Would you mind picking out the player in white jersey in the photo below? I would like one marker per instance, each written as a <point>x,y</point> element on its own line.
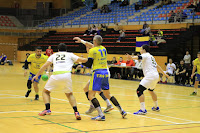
<point>86,88</point>
<point>62,66</point>
<point>150,79</point>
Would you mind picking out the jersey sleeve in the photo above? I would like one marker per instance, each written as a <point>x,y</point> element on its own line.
<point>91,54</point>
<point>74,57</point>
<point>29,59</point>
<point>50,59</point>
<point>195,62</point>
<point>144,56</point>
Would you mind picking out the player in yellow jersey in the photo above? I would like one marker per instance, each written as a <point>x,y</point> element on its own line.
<point>196,67</point>
<point>36,61</point>
<point>100,77</point>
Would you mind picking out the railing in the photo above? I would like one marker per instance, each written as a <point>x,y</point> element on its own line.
<point>30,34</point>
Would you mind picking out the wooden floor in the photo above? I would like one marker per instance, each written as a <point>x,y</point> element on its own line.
<point>180,113</point>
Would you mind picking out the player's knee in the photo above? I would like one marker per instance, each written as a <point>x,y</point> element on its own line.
<point>69,94</point>
<point>46,91</point>
<point>29,83</point>
<point>140,90</point>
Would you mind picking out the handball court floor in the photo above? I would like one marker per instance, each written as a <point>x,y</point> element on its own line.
<point>180,112</point>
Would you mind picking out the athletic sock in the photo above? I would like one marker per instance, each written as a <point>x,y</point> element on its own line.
<point>142,106</point>
<point>115,102</point>
<point>29,89</point>
<point>47,106</point>
<point>36,94</point>
<point>156,103</point>
<point>105,99</point>
<point>96,104</point>
<point>75,109</point>
<point>195,90</point>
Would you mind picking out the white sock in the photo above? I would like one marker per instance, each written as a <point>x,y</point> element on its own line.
<point>120,109</point>
<point>195,90</point>
<point>91,104</point>
<point>107,102</point>
<point>99,111</point>
<point>160,79</point>
<point>156,103</point>
<point>142,106</point>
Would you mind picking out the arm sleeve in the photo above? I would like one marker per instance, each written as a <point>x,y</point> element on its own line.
<point>74,57</point>
<point>50,59</point>
<point>26,64</point>
<point>88,63</point>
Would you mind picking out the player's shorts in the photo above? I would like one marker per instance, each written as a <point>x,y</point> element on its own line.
<point>150,82</point>
<point>197,77</point>
<point>63,81</point>
<point>31,77</point>
<point>99,80</point>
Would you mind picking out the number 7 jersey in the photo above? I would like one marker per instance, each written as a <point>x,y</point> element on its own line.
<point>63,61</point>
<point>99,56</point>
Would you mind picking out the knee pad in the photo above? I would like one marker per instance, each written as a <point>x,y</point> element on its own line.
<point>150,89</point>
<point>29,83</point>
<point>140,90</point>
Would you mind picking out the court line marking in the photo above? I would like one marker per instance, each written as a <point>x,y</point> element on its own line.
<point>118,111</point>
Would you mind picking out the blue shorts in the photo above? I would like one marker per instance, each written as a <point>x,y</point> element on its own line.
<point>31,77</point>
<point>99,80</point>
<point>197,77</point>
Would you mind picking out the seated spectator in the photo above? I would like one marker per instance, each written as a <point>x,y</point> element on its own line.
<point>118,70</point>
<point>170,69</point>
<point>116,28</point>
<point>113,70</point>
<point>144,27</point>
<point>180,75</point>
<point>181,16</point>
<point>193,5</point>
<point>105,9</point>
<point>172,16</point>
<point>147,31</point>
<point>187,59</point>
<point>160,33</point>
<point>124,3</point>
<point>103,29</point>
<point>94,30</point>
<point>137,71</point>
<point>138,6</point>
<point>159,37</point>
<point>152,39</point>
<point>113,61</point>
<point>120,61</point>
<point>122,36</point>
<point>87,31</point>
<point>129,74</point>
<point>3,59</point>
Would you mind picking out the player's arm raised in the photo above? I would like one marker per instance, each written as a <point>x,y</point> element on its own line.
<point>161,70</point>
<point>87,44</point>
<point>42,69</point>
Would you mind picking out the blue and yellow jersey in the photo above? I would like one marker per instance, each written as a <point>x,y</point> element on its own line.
<point>197,63</point>
<point>99,56</point>
<point>36,63</point>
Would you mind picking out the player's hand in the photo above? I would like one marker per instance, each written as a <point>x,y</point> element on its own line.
<point>77,39</point>
<point>166,75</point>
<point>192,76</point>
<point>25,73</point>
<point>34,78</point>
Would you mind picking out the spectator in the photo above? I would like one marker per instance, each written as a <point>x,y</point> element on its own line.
<point>147,31</point>
<point>181,16</point>
<point>3,59</point>
<point>49,51</point>
<point>172,16</point>
<point>180,75</point>
<point>170,69</point>
<point>122,36</point>
<point>152,39</point>
<point>120,61</point>
<point>124,3</point>
<point>87,31</point>
<point>105,9</point>
<point>116,28</point>
<point>137,71</point>
<point>160,33</point>
<point>193,5</point>
<point>159,37</point>
<point>129,74</point>
<point>187,59</point>
<point>138,6</point>
<point>93,30</point>
<point>26,62</point>
<point>103,29</point>
<point>118,70</point>
<point>113,61</point>
<point>113,69</point>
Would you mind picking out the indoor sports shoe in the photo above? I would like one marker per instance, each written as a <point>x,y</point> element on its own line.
<point>156,109</point>
<point>77,115</point>
<point>108,109</point>
<point>140,112</point>
<point>99,118</point>
<point>36,97</point>
<point>193,94</point>
<point>45,112</point>
<point>123,114</point>
<point>90,110</point>
<point>27,93</point>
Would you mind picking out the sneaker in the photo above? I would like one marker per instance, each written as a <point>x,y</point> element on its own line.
<point>90,110</point>
<point>165,82</point>
<point>159,82</point>
<point>123,114</point>
<point>140,112</point>
<point>156,109</point>
<point>193,94</point>
<point>27,93</point>
<point>45,112</point>
<point>108,109</point>
<point>99,118</point>
<point>36,97</point>
<point>77,115</point>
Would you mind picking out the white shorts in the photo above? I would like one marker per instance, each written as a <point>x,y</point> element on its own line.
<point>150,82</point>
<point>63,81</point>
